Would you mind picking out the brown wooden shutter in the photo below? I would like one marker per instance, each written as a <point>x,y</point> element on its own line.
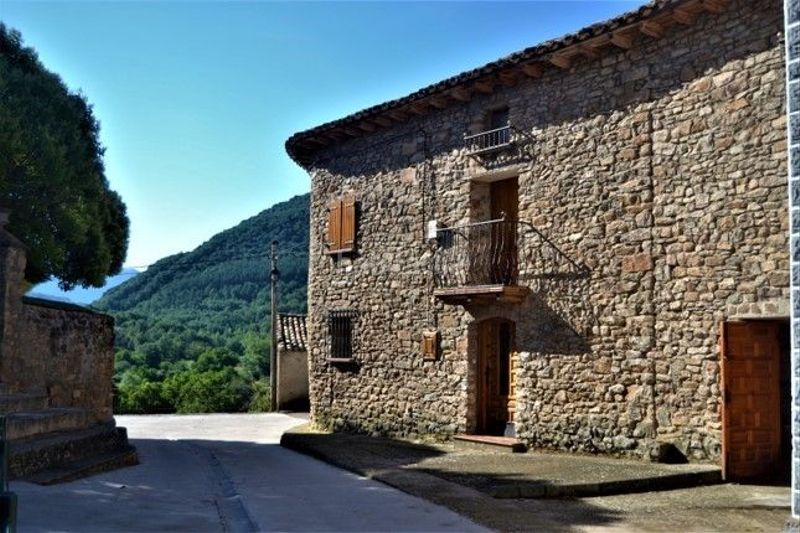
<point>430,345</point>
<point>335,226</point>
<point>348,233</point>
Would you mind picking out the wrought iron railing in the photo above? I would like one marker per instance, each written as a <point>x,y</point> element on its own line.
<point>488,141</point>
<point>497,252</point>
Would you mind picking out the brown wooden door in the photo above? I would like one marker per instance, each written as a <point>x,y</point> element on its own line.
<point>751,441</point>
<point>495,379</point>
<point>504,197</point>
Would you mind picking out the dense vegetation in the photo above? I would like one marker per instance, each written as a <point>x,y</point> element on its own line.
<point>193,329</point>
<point>52,175</point>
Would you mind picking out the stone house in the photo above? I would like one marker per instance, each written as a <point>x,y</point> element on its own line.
<point>292,393</point>
<point>582,246</point>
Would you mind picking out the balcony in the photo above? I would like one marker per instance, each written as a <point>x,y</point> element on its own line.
<point>495,261</point>
<point>490,141</point>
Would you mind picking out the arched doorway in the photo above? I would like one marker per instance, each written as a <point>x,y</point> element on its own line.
<point>496,377</point>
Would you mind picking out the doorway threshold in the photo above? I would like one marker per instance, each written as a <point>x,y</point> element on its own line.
<point>489,443</point>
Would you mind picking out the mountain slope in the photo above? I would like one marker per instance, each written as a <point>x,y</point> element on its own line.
<point>49,290</point>
<point>207,311</point>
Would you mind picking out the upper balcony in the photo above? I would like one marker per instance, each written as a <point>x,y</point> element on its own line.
<point>495,261</point>
<point>489,141</point>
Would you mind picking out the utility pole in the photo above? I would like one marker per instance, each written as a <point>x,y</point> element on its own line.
<point>273,356</point>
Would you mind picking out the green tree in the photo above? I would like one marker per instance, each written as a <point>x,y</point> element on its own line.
<point>52,175</point>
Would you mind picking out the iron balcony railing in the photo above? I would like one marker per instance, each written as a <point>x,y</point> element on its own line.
<point>488,141</point>
<point>497,252</point>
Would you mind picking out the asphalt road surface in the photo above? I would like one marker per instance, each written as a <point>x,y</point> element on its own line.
<point>225,473</point>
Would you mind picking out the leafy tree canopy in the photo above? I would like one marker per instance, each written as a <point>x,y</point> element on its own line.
<point>52,175</point>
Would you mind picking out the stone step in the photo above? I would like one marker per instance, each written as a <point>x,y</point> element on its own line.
<point>488,443</point>
<point>29,423</point>
<point>34,454</point>
<point>22,401</point>
<point>89,466</point>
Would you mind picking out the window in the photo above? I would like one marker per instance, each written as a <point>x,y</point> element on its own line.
<point>497,118</point>
<point>342,225</point>
<point>340,331</point>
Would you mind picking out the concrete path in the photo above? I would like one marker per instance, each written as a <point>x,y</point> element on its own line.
<point>225,473</point>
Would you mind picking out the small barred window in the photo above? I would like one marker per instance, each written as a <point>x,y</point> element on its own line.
<point>340,330</point>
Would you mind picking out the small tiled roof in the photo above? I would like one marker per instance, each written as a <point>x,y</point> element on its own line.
<point>292,332</point>
<point>303,145</point>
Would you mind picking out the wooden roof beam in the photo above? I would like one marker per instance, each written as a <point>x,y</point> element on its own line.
<point>683,16</point>
<point>319,140</point>
<point>418,108</point>
<point>652,29</point>
<point>381,121</point>
<point>351,132</point>
<point>335,135</point>
<point>461,94</point>
<point>437,101</point>
<point>397,115</point>
<point>598,42</point>
<point>715,6</point>
<point>532,70</point>
<point>588,52</point>
<point>622,39</point>
<point>561,60</point>
<point>508,78</point>
<point>485,86</point>
<point>366,126</point>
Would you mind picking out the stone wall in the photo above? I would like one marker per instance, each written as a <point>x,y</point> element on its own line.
<point>59,349</point>
<point>66,351</point>
<point>660,170</point>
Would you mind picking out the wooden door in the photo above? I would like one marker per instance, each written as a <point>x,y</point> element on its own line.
<point>495,376</point>
<point>504,196</point>
<point>751,440</point>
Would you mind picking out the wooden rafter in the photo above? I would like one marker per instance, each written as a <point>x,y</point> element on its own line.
<point>652,29</point>
<point>532,70</point>
<point>485,86</point>
<point>366,126</point>
<point>683,16</point>
<point>589,52</point>
<point>351,132</point>
<point>438,101</point>
<point>461,94</point>
<point>561,60</point>
<point>508,78</point>
<point>622,39</point>
<point>381,121</point>
<point>598,42</point>
<point>418,108</point>
<point>715,6</point>
<point>397,115</point>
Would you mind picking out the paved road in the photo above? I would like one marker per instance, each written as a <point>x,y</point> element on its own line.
<point>225,473</point>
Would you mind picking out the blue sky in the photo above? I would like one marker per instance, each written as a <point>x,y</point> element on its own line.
<point>196,99</point>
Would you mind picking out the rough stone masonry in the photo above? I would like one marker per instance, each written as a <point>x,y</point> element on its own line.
<point>659,168</point>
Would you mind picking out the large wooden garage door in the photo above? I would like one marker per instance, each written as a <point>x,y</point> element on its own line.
<point>751,440</point>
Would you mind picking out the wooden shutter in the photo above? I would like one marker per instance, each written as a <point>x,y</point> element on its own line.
<point>430,345</point>
<point>335,226</point>
<point>348,233</point>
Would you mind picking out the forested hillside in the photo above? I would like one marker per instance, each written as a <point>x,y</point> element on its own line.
<point>193,329</point>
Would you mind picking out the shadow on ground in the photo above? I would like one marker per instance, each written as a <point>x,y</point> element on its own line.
<point>402,464</point>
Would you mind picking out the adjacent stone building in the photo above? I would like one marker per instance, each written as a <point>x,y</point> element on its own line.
<point>583,246</point>
<point>292,393</point>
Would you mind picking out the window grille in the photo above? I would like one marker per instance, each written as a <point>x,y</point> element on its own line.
<point>340,330</point>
